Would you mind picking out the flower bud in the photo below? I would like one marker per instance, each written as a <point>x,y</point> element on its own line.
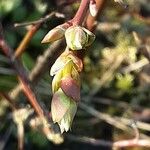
<point>54,34</point>
<point>63,110</point>
<point>78,37</point>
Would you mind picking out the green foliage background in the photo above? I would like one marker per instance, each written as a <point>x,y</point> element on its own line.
<point>105,67</point>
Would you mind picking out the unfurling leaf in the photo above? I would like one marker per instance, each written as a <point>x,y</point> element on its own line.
<point>56,81</point>
<point>58,65</point>
<point>70,88</point>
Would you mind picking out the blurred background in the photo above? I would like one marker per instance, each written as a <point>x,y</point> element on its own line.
<point>115,91</point>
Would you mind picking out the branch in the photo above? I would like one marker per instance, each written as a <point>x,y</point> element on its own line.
<point>5,137</point>
<point>20,130</point>
<point>132,143</point>
<point>22,76</point>
<point>22,46</point>
<point>44,60</point>
<point>118,122</point>
<point>50,134</point>
<point>81,13</point>
<point>118,144</point>
<point>33,29</point>
<point>41,20</point>
<point>121,104</point>
<point>135,66</point>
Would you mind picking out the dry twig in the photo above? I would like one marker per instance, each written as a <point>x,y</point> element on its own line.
<point>117,144</point>
<point>118,122</point>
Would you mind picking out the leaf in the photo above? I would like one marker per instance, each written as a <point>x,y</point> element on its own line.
<point>60,105</point>
<point>70,88</point>
<point>58,65</point>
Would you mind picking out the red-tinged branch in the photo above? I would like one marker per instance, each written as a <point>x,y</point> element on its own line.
<point>50,134</point>
<point>81,13</point>
<point>31,96</point>
<point>21,48</point>
<point>31,32</point>
<point>117,144</point>
<point>21,75</point>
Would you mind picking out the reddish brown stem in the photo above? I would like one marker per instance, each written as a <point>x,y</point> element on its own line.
<point>34,28</point>
<point>118,144</point>
<point>21,48</point>
<point>28,92</point>
<point>22,76</point>
<point>81,13</point>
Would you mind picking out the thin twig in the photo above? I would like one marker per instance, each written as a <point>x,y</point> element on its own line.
<point>121,104</point>
<point>9,100</point>
<point>33,29</point>
<point>118,122</point>
<point>38,70</point>
<point>135,66</point>
<point>132,143</point>
<point>5,138</point>
<point>41,20</point>
<point>20,129</point>
<point>27,90</point>
<point>103,116</point>
<point>22,46</point>
<point>22,76</point>
<point>6,71</point>
<point>117,144</point>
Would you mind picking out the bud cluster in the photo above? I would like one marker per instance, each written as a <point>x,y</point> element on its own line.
<point>77,37</point>
<point>66,89</point>
<point>66,69</point>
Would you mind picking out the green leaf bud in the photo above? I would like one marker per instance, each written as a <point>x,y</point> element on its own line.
<point>78,37</point>
<point>54,34</point>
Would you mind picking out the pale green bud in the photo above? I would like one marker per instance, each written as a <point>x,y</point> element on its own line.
<point>78,37</point>
<point>54,34</point>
